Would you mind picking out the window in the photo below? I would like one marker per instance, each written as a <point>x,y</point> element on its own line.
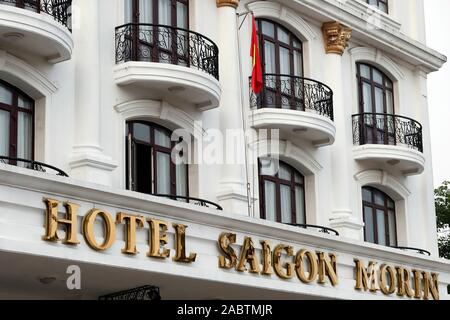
<point>154,38</point>
<point>282,58</point>
<point>150,168</point>
<point>376,104</point>
<point>380,4</point>
<point>282,192</point>
<point>379,217</point>
<point>16,123</point>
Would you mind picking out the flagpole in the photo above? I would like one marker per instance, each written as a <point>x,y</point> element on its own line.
<point>244,127</point>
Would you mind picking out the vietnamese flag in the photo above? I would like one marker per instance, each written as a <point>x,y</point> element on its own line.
<point>257,79</point>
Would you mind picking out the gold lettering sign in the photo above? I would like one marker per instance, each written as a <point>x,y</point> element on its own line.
<point>283,261</point>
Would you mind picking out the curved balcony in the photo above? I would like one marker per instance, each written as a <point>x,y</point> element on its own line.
<point>175,63</point>
<point>195,201</point>
<point>320,229</point>
<point>39,27</point>
<point>387,139</point>
<point>32,165</point>
<point>298,107</point>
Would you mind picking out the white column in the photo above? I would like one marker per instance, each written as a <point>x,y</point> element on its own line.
<point>88,161</point>
<point>232,193</point>
<point>342,217</point>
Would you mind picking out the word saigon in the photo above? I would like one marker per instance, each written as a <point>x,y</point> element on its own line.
<point>309,266</point>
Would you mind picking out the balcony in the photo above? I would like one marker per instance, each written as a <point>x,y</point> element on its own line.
<point>299,107</point>
<point>39,27</point>
<point>175,63</point>
<point>387,139</point>
<point>32,165</point>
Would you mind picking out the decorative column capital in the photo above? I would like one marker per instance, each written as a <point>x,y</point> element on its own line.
<point>336,37</point>
<point>227,3</point>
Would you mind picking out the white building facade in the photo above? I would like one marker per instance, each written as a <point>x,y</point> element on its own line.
<point>97,97</point>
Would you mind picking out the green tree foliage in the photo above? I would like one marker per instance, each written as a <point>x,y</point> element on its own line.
<point>442,201</point>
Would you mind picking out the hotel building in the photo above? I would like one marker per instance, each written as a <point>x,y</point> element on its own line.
<point>97,97</point>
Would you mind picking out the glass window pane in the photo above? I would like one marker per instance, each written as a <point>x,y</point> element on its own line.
<point>162,138</point>
<point>269,200</point>
<point>24,103</point>
<point>298,178</point>
<point>285,172</point>
<point>165,12</point>
<point>268,29</point>
<point>25,136</point>
<point>382,7</point>
<point>299,205</point>
<point>145,11</point>
<point>391,204</point>
<point>367,97</point>
<point>368,221</point>
<point>381,227</point>
<point>141,132</point>
<point>364,71</point>
<point>5,95</point>
<point>297,44</point>
<point>285,62</point>
<point>268,167</point>
<point>379,198</point>
<point>162,173</point>
<point>269,57</point>
<point>392,229</point>
<point>283,36</point>
<point>128,9</point>
<point>379,100</point>
<point>4,133</point>
<point>367,195</point>
<point>389,102</point>
<point>182,15</point>
<point>388,83</point>
<point>181,177</point>
<point>298,67</point>
<point>286,210</point>
<point>377,76</point>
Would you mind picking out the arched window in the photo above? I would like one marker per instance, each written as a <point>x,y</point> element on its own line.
<point>376,106</point>
<point>379,217</point>
<point>380,4</point>
<point>150,168</point>
<point>152,30</point>
<point>282,192</point>
<point>282,59</point>
<point>16,123</point>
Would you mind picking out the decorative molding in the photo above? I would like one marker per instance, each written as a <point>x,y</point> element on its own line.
<point>365,54</point>
<point>336,37</point>
<point>25,76</point>
<point>227,3</point>
<point>159,110</point>
<point>285,16</point>
<point>384,181</point>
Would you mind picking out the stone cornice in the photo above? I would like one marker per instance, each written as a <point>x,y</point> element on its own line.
<point>227,3</point>
<point>384,36</point>
<point>335,37</point>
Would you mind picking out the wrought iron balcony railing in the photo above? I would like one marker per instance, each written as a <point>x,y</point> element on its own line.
<point>166,44</point>
<point>320,228</point>
<point>295,93</point>
<point>420,251</point>
<point>33,165</point>
<point>387,129</point>
<point>196,201</point>
<point>60,10</point>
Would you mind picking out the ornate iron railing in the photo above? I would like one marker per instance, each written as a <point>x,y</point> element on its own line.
<point>420,251</point>
<point>321,229</point>
<point>33,165</point>
<point>196,201</point>
<point>166,44</point>
<point>387,129</point>
<point>297,93</point>
<point>60,10</point>
<point>141,293</point>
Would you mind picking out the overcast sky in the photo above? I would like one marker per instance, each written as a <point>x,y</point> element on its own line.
<point>437,17</point>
